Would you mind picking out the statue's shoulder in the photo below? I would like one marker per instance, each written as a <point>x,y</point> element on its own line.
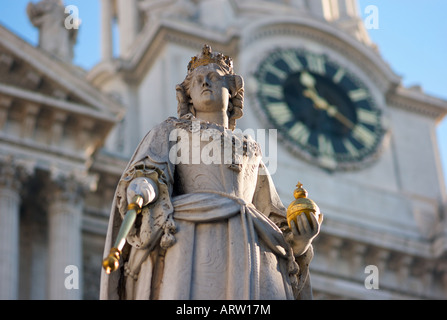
<point>186,122</point>
<point>183,122</point>
<point>155,144</point>
<point>165,125</point>
<point>162,130</point>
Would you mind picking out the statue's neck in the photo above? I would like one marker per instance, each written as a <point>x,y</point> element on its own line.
<point>220,118</point>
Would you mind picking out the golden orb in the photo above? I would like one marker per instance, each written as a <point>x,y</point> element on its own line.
<point>301,205</point>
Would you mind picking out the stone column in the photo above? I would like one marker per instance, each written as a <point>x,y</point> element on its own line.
<point>128,23</point>
<point>106,30</point>
<point>65,243</point>
<point>9,230</point>
<point>317,8</point>
<point>347,9</point>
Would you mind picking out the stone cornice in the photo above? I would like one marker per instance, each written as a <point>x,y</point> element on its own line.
<point>135,63</point>
<point>345,258</point>
<point>379,238</point>
<point>46,125</point>
<point>61,105</point>
<point>417,101</point>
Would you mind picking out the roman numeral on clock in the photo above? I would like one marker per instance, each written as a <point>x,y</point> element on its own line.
<point>358,94</point>
<point>316,63</point>
<point>280,112</point>
<point>300,133</point>
<point>338,76</point>
<point>367,116</point>
<point>292,61</point>
<point>363,135</point>
<point>280,74</point>
<point>352,150</point>
<point>325,145</point>
<point>272,90</point>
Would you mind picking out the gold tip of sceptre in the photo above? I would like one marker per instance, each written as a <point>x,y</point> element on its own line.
<point>112,262</point>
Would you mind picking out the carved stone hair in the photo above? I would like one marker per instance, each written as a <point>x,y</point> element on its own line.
<point>235,105</point>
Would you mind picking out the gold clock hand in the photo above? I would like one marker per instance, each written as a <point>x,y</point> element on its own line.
<point>332,111</point>
<point>319,102</point>
<point>307,80</point>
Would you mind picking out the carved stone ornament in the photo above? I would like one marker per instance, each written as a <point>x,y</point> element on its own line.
<point>54,37</point>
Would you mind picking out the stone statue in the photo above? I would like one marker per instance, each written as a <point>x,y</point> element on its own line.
<point>55,36</point>
<point>212,225</point>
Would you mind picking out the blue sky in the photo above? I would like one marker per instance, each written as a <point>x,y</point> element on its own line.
<point>411,36</point>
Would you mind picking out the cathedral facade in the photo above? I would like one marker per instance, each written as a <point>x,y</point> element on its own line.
<point>336,116</point>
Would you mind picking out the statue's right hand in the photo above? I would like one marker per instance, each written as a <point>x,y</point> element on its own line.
<point>144,187</point>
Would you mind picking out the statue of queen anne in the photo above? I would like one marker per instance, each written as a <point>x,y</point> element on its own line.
<point>206,229</point>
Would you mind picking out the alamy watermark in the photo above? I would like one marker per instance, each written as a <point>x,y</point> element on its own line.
<point>372,279</point>
<point>233,148</point>
<point>72,280</point>
<point>72,21</point>
<point>371,20</point>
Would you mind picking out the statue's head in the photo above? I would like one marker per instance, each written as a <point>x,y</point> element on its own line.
<point>226,89</point>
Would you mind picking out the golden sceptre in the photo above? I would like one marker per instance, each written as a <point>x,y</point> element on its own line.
<point>112,261</point>
<point>302,204</point>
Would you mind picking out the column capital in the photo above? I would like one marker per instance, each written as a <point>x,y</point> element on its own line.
<point>70,186</point>
<point>66,189</point>
<point>12,173</point>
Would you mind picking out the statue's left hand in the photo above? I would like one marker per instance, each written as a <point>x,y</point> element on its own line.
<point>304,231</point>
<point>144,187</point>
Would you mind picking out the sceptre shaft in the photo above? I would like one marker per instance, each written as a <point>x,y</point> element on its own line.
<point>112,261</point>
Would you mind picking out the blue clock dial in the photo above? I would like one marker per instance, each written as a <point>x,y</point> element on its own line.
<point>326,112</point>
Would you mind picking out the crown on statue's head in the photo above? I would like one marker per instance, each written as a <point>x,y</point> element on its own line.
<point>207,56</point>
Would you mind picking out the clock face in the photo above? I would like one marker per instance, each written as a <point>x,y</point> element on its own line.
<point>325,113</point>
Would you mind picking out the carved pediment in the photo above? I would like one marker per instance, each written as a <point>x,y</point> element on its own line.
<point>47,107</point>
<point>29,68</point>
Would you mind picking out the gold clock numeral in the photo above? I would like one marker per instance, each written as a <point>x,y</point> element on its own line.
<point>358,94</point>
<point>281,112</point>
<point>363,135</point>
<point>338,76</point>
<point>352,150</point>
<point>292,61</point>
<point>300,133</point>
<point>280,74</point>
<point>316,63</point>
<point>325,145</point>
<point>272,90</point>
<point>367,116</point>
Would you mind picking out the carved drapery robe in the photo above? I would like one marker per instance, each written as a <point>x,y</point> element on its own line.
<point>216,231</point>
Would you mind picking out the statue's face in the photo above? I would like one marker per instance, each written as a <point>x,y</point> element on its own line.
<point>209,89</point>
